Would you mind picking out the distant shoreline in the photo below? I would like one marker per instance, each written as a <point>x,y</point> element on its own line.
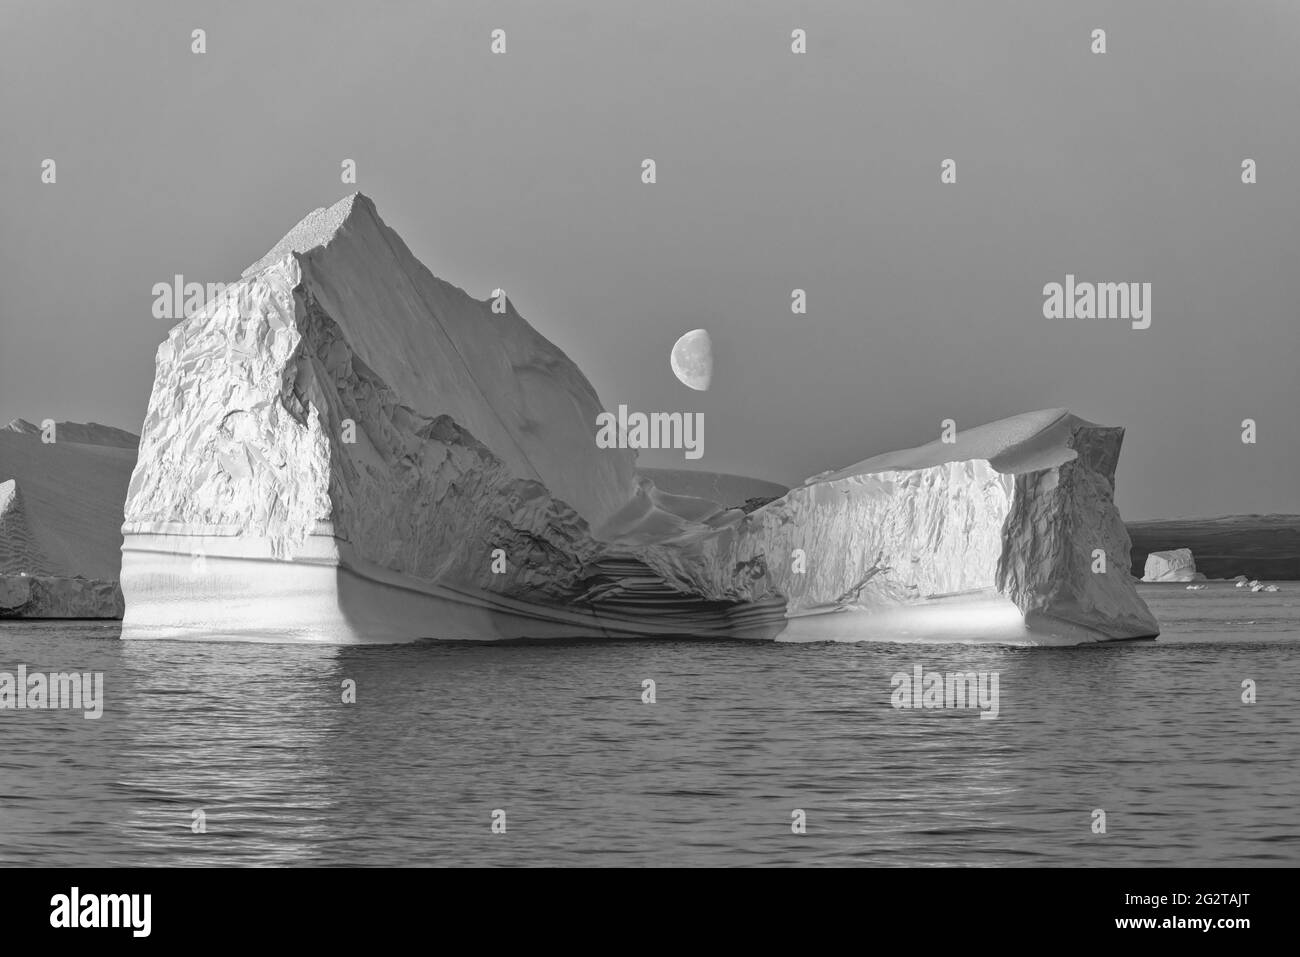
<point>1266,547</point>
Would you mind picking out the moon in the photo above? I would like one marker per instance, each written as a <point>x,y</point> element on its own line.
<point>692,359</point>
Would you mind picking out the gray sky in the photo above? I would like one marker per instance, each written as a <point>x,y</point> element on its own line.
<point>775,171</point>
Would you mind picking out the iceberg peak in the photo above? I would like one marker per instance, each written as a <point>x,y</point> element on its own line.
<point>317,228</point>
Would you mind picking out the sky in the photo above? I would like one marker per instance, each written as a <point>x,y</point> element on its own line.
<point>775,171</point>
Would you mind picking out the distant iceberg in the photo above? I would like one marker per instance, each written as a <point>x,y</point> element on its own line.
<point>1176,565</point>
<point>344,448</point>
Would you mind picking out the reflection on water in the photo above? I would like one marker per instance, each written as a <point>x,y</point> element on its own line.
<point>741,734</point>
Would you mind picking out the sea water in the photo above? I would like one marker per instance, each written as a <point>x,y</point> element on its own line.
<point>249,754</point>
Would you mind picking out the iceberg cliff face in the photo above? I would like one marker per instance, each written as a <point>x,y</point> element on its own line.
<point>45,596</point>
<point>1175,565</point>
<point>860,541</point>
<point>1021,509</point>
<point>345,448</point>
<point>1065,550</point>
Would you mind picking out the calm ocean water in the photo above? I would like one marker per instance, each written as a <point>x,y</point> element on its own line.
<point>741,734</point>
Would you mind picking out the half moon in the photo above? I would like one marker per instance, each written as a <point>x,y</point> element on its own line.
<point>692,359</point>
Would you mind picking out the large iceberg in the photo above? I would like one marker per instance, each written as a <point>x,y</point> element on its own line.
<point>344,448</point>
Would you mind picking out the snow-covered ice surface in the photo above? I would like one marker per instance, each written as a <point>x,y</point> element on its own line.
<point>345,448</point>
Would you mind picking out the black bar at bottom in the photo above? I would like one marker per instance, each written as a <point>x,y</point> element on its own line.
<point>946,908</point>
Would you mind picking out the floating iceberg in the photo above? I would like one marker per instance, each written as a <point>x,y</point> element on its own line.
<point>1175,565</point>
<point>344,448</point>
<point>50,596</point>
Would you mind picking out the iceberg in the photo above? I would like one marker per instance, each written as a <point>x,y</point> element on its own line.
<point>345,448</point>
<point>50,596</point>
<point>1175,565</point>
